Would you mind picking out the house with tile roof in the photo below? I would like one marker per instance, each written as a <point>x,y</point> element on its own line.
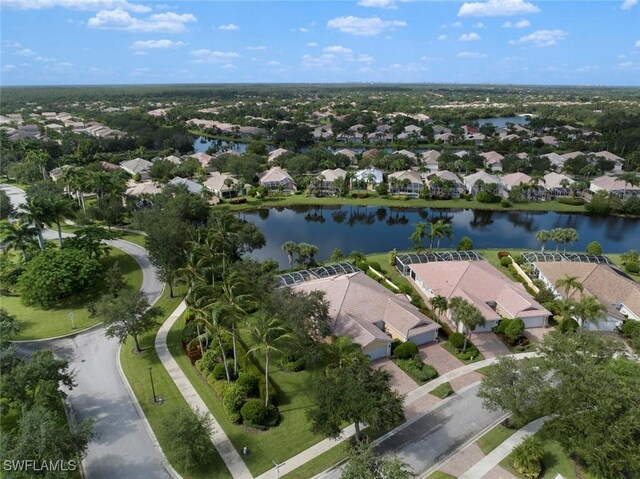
<point>614,186</point>
<point>495,295</point>
<point>371,176</point>
<point>558,184</point>
<point>277,179</point>
<point>471,180</point>
<point>221,184</point>
<point>191,186</point>
<point>445,184</point>
<point>618,293</point>
<point>203,159</point>
<point>276,153</point>
<point>137,165</point>
<point>493,160</point>
<point>430,160</point>
<point>370,314</point>
<point>408,183</point>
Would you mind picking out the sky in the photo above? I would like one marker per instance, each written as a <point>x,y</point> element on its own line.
<point>69,42</point>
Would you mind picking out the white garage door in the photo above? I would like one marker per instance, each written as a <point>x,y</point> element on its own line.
<point>537,322</point>
<point>378,353</point>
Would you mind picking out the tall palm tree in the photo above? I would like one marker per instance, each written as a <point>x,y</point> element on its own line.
<point>418,235</point>
<point>268,335</point>
<point>542,237</point>
<point>445,230</point>
<point>290,248</point>
<point>569,283</point>
<point>468,315</point>
<point>57,209</point>
<point>235,294</point>
<point>18,235</point>
<point>214,319</point>
<point>35,214</point>
<point>629,178</point>
<point>439,304</point>
<point>590,310</point>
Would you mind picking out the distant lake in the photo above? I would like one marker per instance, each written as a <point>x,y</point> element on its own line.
<point>501,122</point>
<point>375,229</point>
<point>202,144</point>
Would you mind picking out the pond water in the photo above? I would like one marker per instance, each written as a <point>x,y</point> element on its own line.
<point>501,122</point>
<point>376,229</point>
<point>202,144</point>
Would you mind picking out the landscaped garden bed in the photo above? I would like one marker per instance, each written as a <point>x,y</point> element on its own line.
<point>511,332</point>
<point>455,345</point>
<point>406,358</point>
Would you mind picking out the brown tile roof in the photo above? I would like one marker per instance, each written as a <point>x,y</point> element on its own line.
<point>609,285</point>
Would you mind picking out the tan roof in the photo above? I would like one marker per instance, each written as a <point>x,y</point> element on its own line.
<point>553,180</point>
<point>514,179</point>
<point>407,153</point>
<point>610,183</point>
<point>430,156</point>
<point>346,152</point>
<point>607,284</point>
<point>202,158</point>
<point>359,306</point>
<point>571,155</point>
<point>480,283</point>
<point>480,175</point>
<point>446,176</point>
<point>215,181</point>
<point>609,156</point>
<point>276,153</point>
<point>412,175</point>
<point>492,157</point>
<point>332,175</point>
<point>140,189</point>
<point>275,174</point>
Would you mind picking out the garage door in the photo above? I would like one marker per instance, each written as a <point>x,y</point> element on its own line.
<point>533,322</point>
<point>378,353</point>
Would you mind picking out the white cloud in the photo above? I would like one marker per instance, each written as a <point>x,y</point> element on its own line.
<point>497,8</point>
<point>229,66</point>
<point>479,25</point>
<point>90,5</point>
<point>456,25</point>
<point>156,44</point>
<point>312,44</point>
<point>442,37</point>
<point>364,26</point>
<point>469,37</point>
<point>326,61</point>
<point>118,19</point>
<point>542,38</point>
<point>627,4</point>
<point>339,49</point>
<point>364,58</point>
<point>260,48</point>
<point>9,68</point>
<point>273,63</point>
<point>386,4</point>
<point>25,52</point>
<point>638,44</point>
<point>204,55</point>
<point>519,24</point>
<point>471,55</point>
<point>229,27</point>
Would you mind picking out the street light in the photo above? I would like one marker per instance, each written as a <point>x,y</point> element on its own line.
<point>153,389</point>
<point>278,468</point>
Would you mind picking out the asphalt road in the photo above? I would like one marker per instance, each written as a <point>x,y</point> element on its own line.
<point>436,435</point>
<point>122,447</point>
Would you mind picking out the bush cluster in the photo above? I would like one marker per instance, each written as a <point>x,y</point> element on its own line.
<point>406,350</point>
<point>571,201</point>
<point>456,340</point>
<point>255,414</point>
<point>418,370</point>
<point>505,261</point>
<point>502,254</point>
<point>632,267</point>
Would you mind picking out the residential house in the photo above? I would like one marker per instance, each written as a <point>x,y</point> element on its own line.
<point>557,161</point>
<point>173,159</point>
<point>370,153</point>
<point>276,153</point>
<point>322,132</point>
<point>511,180</point>
<point>203,159</point>
<point>493,160</point>
<point>361,308</point>
<point>558,184</point>
<point>430,160</point>
<point>328,180</point>
<point>277,179</point>
<point>614,186</point>
<point>471,181</point>
<point>352,155</point>
<point>407,153</point>
<point>619,294</point>
<point>146,188</point>
<point>481,284</point>
<point>371,176</point>
<point>221,184</point>
<point>137,166</point>
<point>444,184</point>
<point>618,161</point>
<point>408,182</point>
<point>192,187</point>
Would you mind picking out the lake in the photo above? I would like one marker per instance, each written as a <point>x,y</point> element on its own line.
<point>501,122</point>
<point>375,229</point>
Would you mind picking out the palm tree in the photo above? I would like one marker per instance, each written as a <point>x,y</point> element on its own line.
<point>629,178</point>
<point>542,237</point>
<point>465,313</point>
<point>270,336</point>
<point>569,236</point>
<point>235,295</point>
<point>445,230</point>
<point>342,351</point>
<point>290,248</point>
<point>36,215</point>
<point>557,237</point>
<point>418,235</point>
<point>440,304</point>
<point>569,283</point>
<point>590,310</point>
<point>18,235</point>
<point>527,456</point>
<point>307,253</point>
<point>214,319</point>
<point>57,209</point>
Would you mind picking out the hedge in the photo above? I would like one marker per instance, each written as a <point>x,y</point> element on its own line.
<point>456,340</point>
<point>418,370</point>
<point>406,350</point>
<point>571,201</point>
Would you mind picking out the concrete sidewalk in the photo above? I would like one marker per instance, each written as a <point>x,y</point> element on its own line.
<point>230,456</point>
<point>482,467</point>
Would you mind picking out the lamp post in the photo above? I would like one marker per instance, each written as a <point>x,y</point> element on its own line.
<point>153,389</point>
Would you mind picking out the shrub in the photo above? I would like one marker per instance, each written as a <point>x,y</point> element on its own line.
<point>396,342</point>
<point>472,352</point>
<point>632,267</point>
<point>502,254</point>
<point>527,457</point>
<point>363,195</point>
<point>465,244</point>
<point>193,352</point>
<point>220,387</point>
<point>249,382</point>
<point>406,350</point>
<point>630,328</point>
<point>189,332</point>
<point>514,329</point>
<point>505,203</point>
<point>254,413</point>
<point>209,360</point>
<point>571,201</point>
<point>418,370</point>
<point>292,364</point>
<point>594,248</point>
<point>375,265</point>
<point>237,201</point>
<point>219,371</point>
<point>567,325</point>
<point>273,416</point>
<point>234,398</point>
<point>505,261</point>
<point>456,340</point>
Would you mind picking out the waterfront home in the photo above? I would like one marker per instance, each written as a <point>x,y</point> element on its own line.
<point>408,182</point>
<point>352,155</point>
<point>430,160</point>
<point>481,284</point>
<point>221,184</point>
<point>361,308</point>
<point>619,294</point>
<point>471,181</point>
<point>371,176</point>
<point>512,180</point>
<point>276,153</point>
<point>445,184</point>
<point>558,184</point>
<point>191,186</point>
<point>146,188</point>
<point>328,180</point>
<point>137,166</point>
<point>614,186</point>
<point>203,159</point>
<point>277,179</point>
<point>493,160</point>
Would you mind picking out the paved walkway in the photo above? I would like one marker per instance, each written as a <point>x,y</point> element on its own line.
<point>230,456</point>
<point>486,464</point>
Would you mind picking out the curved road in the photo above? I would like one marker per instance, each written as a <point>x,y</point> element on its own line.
<point>122,447</point>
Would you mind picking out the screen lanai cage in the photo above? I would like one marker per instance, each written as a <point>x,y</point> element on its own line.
<point>327,271</point>
<point>403,261</point>
<point>535,257</point>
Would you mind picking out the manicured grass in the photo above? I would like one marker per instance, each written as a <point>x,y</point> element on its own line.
<point>399,202</point>
<point>136,368</point>
<point>555,461</point>
<point>494,438</point>
<point>55,321</point>
<point>321,463</point>
<point>454,351</point>
<point>133,238</point>
<point>440,475</point>
<point>290,437</point>
<point>390,271</point>
<point>443,391</point>
<point>486,369</point>
<point>615,257</point>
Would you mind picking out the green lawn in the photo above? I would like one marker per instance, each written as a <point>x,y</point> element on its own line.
<point>555,461</point>
<point>290,437</point>
<point>443,391</point>
<point>494,438</point>
<point>615,257</point>
<point>47,323</point>
<point>321,463</point>
<point>136,368</point>
<point>375,200</point>
<point>133,238</point>
<point>485,369</point>
<point>440,475</point>
<point>454,351</point>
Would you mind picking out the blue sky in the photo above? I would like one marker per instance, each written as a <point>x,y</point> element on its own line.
<point>49,42</point>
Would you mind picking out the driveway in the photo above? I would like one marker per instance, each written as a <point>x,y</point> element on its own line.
<point>400,381</point>
<point>122,447</point>
<point>489,345</point>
